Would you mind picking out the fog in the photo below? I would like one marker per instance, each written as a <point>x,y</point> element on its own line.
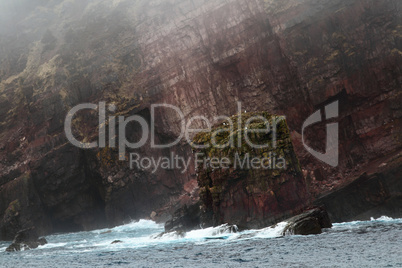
<point>13,10</point>
<point>12,13</point>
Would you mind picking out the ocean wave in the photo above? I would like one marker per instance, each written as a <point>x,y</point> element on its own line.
<point>380,219</point>
<point>135,225</point>
<point>272,231</point>
<point>53,245</point>
<point>386,219</point>
<point>221,232</point>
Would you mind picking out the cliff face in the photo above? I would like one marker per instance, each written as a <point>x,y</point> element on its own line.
<point>287,57</point>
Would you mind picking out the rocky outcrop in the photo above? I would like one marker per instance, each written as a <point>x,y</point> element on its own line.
<point>256,181</point>
<point>308,223</point>
<point>26,239</point>
<point>288,57</point>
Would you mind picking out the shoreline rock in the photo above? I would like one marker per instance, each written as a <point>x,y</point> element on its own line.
<point>25,240</point>
<point>308,223</point>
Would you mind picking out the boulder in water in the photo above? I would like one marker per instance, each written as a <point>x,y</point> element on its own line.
<point>26,239</point>
<point>308,223</point>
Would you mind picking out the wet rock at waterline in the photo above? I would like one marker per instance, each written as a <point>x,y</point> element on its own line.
<point>308,223</point>
<point>26,239</point>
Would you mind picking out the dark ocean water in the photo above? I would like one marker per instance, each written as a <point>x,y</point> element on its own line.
<point>375,243</point>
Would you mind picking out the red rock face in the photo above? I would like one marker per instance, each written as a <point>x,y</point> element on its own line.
<point>286,57</point>
<point>245,203</point>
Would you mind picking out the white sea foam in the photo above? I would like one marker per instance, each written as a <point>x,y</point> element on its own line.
<point>384,218</point>
<point>53,245</point>
<point>135,225</point>
<point>221,232</point>
<point>273,231</point>
<point>381,219</point>
<point>350,226</point>
<point>148,233</point>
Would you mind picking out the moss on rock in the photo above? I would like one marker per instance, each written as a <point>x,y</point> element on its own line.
<point>257,189</point>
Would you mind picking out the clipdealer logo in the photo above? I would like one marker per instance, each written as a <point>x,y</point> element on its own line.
<point>331,155</point>
<point>117,137</point>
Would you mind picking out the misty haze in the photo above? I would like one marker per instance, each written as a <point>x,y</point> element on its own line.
<point>200,133</point>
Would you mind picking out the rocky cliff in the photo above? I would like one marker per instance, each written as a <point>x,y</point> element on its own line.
<point>287,57</point>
